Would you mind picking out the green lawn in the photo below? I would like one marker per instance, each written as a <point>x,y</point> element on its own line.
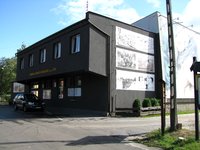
<point>179,140</point>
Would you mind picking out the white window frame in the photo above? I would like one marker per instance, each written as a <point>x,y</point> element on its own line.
<point>57,50</point>
<point>75,43</point>
<point>42,55</point>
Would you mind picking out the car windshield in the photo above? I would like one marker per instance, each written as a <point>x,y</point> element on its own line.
<point>31,97</point>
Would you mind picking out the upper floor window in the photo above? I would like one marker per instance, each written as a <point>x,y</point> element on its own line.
<point>31,60</point>
<point>42,55</point>
<point>75,43</point>
<point>22,63</point>
<point>57,50</point>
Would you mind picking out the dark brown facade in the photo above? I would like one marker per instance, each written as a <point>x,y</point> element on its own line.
<point>77,67</point>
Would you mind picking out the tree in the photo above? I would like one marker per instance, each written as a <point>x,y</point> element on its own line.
<point>23,46</point>
<point>7,74</point>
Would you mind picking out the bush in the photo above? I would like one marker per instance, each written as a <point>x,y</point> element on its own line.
<point>159,102</point>
<point>136,104</point>
<point>4,98</point>
<point>146,102</point>
<point>154,102</point>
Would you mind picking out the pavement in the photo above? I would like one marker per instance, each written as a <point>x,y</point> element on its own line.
<point>37,130</point>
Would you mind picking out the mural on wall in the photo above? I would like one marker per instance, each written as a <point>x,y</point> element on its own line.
<point>137,58</point>
<point>186,47</point>
<point>134,40</point>
<point>128,80</point>
<point>133,60</point>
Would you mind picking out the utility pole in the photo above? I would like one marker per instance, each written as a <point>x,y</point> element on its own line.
<point>173,103</point>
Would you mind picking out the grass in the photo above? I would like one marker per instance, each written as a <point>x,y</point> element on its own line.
<point>172,140</point>
<point>167,114</point>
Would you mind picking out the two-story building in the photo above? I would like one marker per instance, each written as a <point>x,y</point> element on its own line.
<point>97,64</point>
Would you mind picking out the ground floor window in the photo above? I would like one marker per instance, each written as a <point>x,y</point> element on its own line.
<point>47,94</point>
<point>74,86</point>
<point>35,88</point>
<point>61,89</point>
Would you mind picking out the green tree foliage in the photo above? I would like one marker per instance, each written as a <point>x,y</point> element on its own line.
<point>23,46</point>
<point>7,74</point>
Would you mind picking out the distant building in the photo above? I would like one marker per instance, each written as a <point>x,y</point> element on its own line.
<point>97,64</point>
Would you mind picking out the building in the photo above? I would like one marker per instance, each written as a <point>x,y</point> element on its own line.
<point>186,47</point>
<point>97,64</point>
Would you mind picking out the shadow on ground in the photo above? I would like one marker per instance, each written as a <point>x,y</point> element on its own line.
<point>88,140</point>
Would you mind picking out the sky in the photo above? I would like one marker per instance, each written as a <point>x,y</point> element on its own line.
<point>29,21</point>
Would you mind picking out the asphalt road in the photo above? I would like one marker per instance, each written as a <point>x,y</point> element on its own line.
<point>39,131</point>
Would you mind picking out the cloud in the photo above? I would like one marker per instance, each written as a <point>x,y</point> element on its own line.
<point>70,11</point>
<point>190,16</point>
<point>155,3</point>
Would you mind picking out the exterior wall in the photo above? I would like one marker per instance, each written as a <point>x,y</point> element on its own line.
<point>94,94</point>
<point>90,64</point>
<point>98,52</point>
<point>95,91</point>
<point>149,23</point>
<point>72,62</point>
<point>122,98</point>
<point>186,47</point>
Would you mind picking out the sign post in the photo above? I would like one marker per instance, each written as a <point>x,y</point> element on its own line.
<point>163,100</point>
<point>196,68</point>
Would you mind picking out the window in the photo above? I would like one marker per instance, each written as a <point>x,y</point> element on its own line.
<point>42,55</point>
<point>74,86</point>
<point>75,44</point>
<point>22,63</point>
<point>31,60</point>
<point>47,94</point>
<point>57,50</point>
<point>35,88</point>
<point>61,89</point>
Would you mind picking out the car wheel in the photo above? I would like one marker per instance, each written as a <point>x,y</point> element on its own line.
<point>24,108</point>
<point>15,107</point>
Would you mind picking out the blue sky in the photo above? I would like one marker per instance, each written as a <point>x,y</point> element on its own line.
<point>28,21</point>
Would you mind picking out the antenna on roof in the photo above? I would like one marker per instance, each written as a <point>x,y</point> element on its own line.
<point>87,6</point>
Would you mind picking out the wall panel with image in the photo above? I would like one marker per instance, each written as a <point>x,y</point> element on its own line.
<point>134,40</point>
<point>129,80</point>
<point>134,61</point>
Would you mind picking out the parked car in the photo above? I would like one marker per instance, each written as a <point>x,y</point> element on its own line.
<point>28,102</point>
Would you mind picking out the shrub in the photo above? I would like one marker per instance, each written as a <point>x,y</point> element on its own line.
<point>5,98</point>
<point>136,104</point>
<point>146,102</point>
<point>154,102</point>
<point>159,102</point>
